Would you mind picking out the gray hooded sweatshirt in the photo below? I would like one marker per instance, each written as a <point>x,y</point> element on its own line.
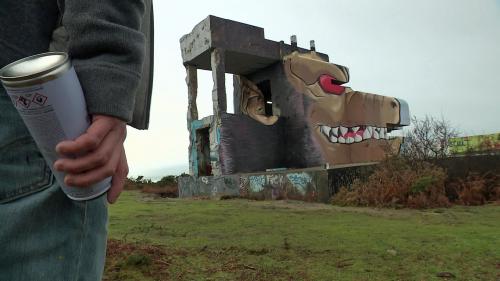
<point>104,43</point>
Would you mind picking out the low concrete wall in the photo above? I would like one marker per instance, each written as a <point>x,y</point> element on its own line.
<point>314,184</point>
<point>213,186</point>
<point>304,185</point>
<point>311,185</point>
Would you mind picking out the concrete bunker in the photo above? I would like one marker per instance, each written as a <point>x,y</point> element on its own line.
<point>295,124</point>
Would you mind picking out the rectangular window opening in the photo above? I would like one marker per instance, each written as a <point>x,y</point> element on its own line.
<point>203,150</point>
<point>265,88</point>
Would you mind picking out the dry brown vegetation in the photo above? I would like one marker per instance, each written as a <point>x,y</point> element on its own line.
<point>166,187</point>
<point>400,182</point>
<point>475,189</point>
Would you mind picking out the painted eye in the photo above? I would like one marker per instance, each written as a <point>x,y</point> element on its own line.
<point>327,83</point>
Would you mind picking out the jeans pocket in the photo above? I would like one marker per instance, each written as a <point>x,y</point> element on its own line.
<point>22,170</point>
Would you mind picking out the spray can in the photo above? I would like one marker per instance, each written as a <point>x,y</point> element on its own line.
<point>46,92</point>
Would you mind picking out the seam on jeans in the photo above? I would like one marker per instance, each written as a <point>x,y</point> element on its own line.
<point>84,233</point>
<point>43,180</point>
<point>16,142</point>
<point>46,180</point>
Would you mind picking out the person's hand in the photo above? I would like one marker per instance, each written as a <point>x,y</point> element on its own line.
<point>103,155</point>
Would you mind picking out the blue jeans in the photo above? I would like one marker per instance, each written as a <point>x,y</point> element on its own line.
<point>43,234</point>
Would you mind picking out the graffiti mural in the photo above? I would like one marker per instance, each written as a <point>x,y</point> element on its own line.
<point>284,185</point>
<point>299,180</point>
<point>252,102</point>
<point>475,144</point>
<point>349,126</point>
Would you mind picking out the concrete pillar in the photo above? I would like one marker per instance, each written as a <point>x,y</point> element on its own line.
<point>218,75</point>
<point>192,84</point>
<point>220,106</point>
<point>192,114</point>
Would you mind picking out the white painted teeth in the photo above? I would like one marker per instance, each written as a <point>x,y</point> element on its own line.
<point>335,131</point>
<point>325,130</point>
<point>343,130</point>
<point>383,132</point>
<point>367,134</point>
<point>356,134</point>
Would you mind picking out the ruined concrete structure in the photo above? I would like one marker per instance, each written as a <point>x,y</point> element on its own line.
<point>295,126</point>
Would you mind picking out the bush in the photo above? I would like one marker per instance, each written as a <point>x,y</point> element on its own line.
<point>428,138</point>
<point>475,189</point>
<point>398,182</point>
<point>170,191</point>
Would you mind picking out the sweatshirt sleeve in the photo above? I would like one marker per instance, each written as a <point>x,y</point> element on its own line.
<point>107,51</point>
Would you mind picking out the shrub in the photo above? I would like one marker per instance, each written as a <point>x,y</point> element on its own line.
<point>398,182</point>
<point>428,138</point>
<point>162,191</point>
<point>476,189</point>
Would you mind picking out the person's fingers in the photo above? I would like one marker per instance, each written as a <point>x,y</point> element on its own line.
<point>90,140</point>
<point>93,176</point>
<point>94,159</point>
<point>118,181</point>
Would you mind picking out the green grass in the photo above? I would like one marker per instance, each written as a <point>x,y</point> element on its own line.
<point>248,240</point>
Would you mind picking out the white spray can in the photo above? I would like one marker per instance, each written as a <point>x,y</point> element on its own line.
<point>47,94</point>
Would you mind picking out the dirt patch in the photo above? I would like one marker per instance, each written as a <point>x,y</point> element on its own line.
<point>131,261</point>
<point>146,260</point>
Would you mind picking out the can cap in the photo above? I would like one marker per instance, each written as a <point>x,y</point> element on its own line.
<point>33,67</point>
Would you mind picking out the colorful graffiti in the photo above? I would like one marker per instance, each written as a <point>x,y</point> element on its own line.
<point>295,185</point>
<point>349,126</point>
<point>475,144</point>
<point>299,180</point>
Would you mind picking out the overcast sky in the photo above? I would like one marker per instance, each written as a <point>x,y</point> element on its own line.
<point>441,56</point>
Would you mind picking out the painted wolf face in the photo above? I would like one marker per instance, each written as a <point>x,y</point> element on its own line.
<point>349,126</point>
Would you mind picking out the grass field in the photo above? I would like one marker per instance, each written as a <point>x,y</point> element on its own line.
<point>173,239</point>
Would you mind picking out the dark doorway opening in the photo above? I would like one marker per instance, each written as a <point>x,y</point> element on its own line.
<point>203,149</point>
<point>265,88</point>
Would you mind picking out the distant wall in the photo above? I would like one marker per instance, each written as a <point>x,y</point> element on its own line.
<point>475,144</point>
<point>461,166</point>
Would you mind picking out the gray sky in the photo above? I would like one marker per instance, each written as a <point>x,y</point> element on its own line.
<point>441,56</point>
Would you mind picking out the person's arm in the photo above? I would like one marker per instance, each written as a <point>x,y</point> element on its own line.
<point>107,51</point>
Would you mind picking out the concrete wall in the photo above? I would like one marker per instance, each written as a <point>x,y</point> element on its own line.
<point>461,166</point>
<point>314,184</point>
<point>213,186</point>
<point>306,185</point>
<point>311,185</point>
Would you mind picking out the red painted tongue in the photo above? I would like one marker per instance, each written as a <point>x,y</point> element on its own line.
<point>351,134</point>
<point>327,84</point>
